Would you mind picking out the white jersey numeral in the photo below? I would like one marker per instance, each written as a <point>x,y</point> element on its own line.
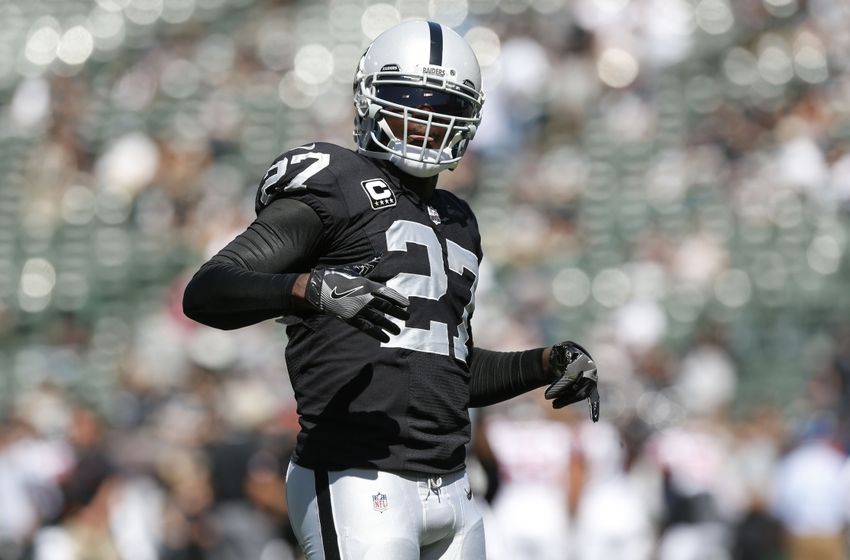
<point>273,175</point>
<point>298,182</point>
<point>459,260</point>
<point>278,170</point>
<point>435,339</point>
<point>433,286</point>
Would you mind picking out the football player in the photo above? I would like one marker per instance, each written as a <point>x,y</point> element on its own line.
<point>374,270</point>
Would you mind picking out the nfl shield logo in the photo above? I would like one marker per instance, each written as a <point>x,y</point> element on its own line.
<point>379,502</point>
<point>435,217</point>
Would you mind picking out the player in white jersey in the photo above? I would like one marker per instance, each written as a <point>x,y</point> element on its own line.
<point>536,456</point>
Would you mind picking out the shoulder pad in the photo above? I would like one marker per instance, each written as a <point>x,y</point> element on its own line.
<point>301,169</point>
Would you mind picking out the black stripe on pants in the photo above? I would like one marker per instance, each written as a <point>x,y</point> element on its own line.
<point>330,545</point>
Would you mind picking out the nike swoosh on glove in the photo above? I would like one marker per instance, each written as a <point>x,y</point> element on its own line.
<point>362,303</point>
<point>577,379</point>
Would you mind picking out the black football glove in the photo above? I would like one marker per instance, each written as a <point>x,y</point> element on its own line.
<point>578,377</point>
<point>360,302</point>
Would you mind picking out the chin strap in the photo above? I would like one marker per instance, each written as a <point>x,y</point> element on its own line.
<point>415,166</point>
<point>419,169</point>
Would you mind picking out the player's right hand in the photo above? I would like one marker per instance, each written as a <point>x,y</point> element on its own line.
<point>362,303</point>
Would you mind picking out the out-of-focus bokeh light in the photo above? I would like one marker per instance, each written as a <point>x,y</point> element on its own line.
<point>215,57</point>
<point>594,14</point>
<point>714,16</point>
<point>291,94</point>
<point>733,288</point>
<point>611,287</point>
<point>781,8</point>
<point>113,5</point>
<point>571,287</point>
<point>31,103</point>
<point>378,17</point>
<point>314,64</point>
<point>143,12</point>
<point>482,7</point>
<point>810,62</point>
<point>275,44</point>
<point>617,68</point>
<point>774,61</point>
<point>485,44</point>
<point>38,278</point>
<point>824,255</point>
<point>410,9</point>
<point>448,12</point>
<point>72,291</point>
<point>129,163</point>
<point>513,7</point>
<point>548,6</point>
<point>180,78</point>
<point>107,29</point>
<point>78,205</point>
<point>740,66</point>
<point>345,56</point>
<point>178,11</point>
<point>75,46</point>
<point>43,41</point>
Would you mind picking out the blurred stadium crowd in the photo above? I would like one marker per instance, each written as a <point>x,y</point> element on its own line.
<point>666,181</point>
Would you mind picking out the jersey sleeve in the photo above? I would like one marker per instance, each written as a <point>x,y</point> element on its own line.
<point>309,174</point>
<point>251,279</point>
<point>498,376</point>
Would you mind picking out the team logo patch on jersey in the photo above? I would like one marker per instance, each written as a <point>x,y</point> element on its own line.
<point>380,194</point>
<point>379,502</point>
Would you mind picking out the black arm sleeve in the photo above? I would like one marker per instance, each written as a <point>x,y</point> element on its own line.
<point>499,376</point>
<point>251,279</point>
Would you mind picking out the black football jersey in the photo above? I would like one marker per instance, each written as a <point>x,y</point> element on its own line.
<point>399,405</point>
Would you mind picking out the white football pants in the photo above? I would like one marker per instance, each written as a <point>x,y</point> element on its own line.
<point>363,514</point>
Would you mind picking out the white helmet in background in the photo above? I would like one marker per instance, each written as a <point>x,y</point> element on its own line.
<point>424,78</point>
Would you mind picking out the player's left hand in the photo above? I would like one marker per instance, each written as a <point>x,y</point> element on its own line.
<point>577,377</point>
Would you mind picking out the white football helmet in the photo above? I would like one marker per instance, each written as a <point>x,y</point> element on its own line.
<point>423,77</point>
